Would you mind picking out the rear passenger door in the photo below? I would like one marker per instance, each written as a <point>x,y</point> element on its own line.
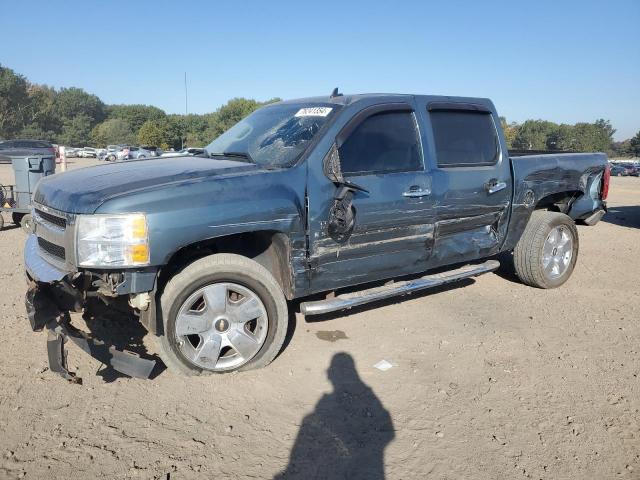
<point>380,150</point>
<point>472,184</point>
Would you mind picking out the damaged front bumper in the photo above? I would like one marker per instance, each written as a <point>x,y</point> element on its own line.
<point>51,295</point>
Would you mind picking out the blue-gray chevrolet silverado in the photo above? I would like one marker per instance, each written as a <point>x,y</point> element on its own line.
<point>342,199</point>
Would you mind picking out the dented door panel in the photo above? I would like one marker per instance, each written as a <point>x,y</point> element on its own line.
<point>393,234</point>
<point>472,204</point>
<point>394,224</point>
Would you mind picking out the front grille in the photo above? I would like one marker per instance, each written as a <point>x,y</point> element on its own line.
<point>54,219</point>
<point>52,249</point>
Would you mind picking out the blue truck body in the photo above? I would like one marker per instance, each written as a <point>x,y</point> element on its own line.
<point>406,222</point>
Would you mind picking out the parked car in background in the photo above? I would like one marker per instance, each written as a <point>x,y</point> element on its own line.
<point>155,151</point>
<point>618,170</point>
<point>87,152</point>
<point>71,152</point>
<point>112,152</point>
<point>133,153</point>
<point>633,170</point>
<point>185,152</point>
<point>101,153</point>
<point>33,147</point>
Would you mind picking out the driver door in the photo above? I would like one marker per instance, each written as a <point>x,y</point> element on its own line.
<point>391,233</point>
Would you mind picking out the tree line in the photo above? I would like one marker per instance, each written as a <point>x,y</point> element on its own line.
<point>581,137</point>
<point>73,117</point>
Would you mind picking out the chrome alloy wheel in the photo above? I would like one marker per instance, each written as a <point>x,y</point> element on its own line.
<point>221,326</point>
<point>557,252</point>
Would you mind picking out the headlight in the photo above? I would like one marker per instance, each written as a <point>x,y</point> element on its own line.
<point>112,240</point>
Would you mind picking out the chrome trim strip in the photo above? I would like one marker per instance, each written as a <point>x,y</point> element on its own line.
<point>400,288</point>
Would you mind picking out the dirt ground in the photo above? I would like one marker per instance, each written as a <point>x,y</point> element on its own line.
<point>490,380</point>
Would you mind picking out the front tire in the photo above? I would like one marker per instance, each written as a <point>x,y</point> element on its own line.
<point>546,254</point>
<point>221,314</point>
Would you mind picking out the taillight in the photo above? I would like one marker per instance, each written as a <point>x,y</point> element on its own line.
<point>606,176</point>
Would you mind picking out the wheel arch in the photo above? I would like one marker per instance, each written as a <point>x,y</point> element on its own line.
<point>559,201</point>
<point>269,248</point>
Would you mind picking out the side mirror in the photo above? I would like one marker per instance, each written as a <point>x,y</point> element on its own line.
<point>332,167</point>
<point>342,215</point>
<point>333,170</point>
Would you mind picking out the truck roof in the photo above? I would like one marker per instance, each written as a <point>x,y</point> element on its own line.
<point>346,99</point>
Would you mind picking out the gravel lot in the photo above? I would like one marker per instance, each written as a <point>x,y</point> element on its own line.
<point>490,379</point>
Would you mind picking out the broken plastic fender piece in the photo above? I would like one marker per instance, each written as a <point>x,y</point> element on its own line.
<point>124,362</point>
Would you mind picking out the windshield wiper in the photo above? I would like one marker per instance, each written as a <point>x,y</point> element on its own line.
<point>243,155</point>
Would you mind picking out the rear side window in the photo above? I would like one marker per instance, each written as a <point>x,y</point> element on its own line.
<point>383,143</point>
<point>464,138</point>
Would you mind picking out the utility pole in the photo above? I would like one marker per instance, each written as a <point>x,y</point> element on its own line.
<point>186,104</point>
<point>186,107</point>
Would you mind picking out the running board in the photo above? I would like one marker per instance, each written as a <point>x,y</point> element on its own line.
<point>350,300</point>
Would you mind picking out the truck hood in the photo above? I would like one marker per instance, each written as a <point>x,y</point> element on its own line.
<point>85,189</point>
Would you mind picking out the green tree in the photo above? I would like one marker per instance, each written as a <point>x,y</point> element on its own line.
<point>176,126</point>
<point>76,131</point>
<point>135,115</point>
<point>561,138</point>
<point>42,115</point>
<point>112,132</point>
<point>603,137</point>
<point>532,135</point>
<point>510,131</point>
<point>231,113</point>
<point>71,102</point>
<point>14,102</point>
<point>155,133</point>
<point>621,149</point>
<point>35,131</point>
<point>635,145</point>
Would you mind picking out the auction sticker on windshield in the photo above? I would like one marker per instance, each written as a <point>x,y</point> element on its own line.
<point>314,112</point>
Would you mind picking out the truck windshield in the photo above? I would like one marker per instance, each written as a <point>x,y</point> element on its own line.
<point>273,136</point>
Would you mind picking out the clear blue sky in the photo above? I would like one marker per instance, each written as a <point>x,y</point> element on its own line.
<point>564,61</point>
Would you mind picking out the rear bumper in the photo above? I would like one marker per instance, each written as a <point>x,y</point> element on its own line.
<point>595,217</point>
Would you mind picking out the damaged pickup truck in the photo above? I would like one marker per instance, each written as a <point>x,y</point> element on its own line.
<point>363,193</point>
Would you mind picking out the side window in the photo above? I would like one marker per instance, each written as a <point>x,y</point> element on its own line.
<point>383,143</point>
<point>464,138</point>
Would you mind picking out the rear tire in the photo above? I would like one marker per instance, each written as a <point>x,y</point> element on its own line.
<point>546,254</point>
<point>218,272</point>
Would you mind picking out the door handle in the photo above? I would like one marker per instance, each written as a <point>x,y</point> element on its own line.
<point>417,192</point>
<point>493,186</point>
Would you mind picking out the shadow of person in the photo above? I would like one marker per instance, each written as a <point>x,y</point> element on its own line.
<point>345,436</point>
<point>627,216</point>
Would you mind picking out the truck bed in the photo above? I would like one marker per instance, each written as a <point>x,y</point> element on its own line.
<point>548,178</point>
